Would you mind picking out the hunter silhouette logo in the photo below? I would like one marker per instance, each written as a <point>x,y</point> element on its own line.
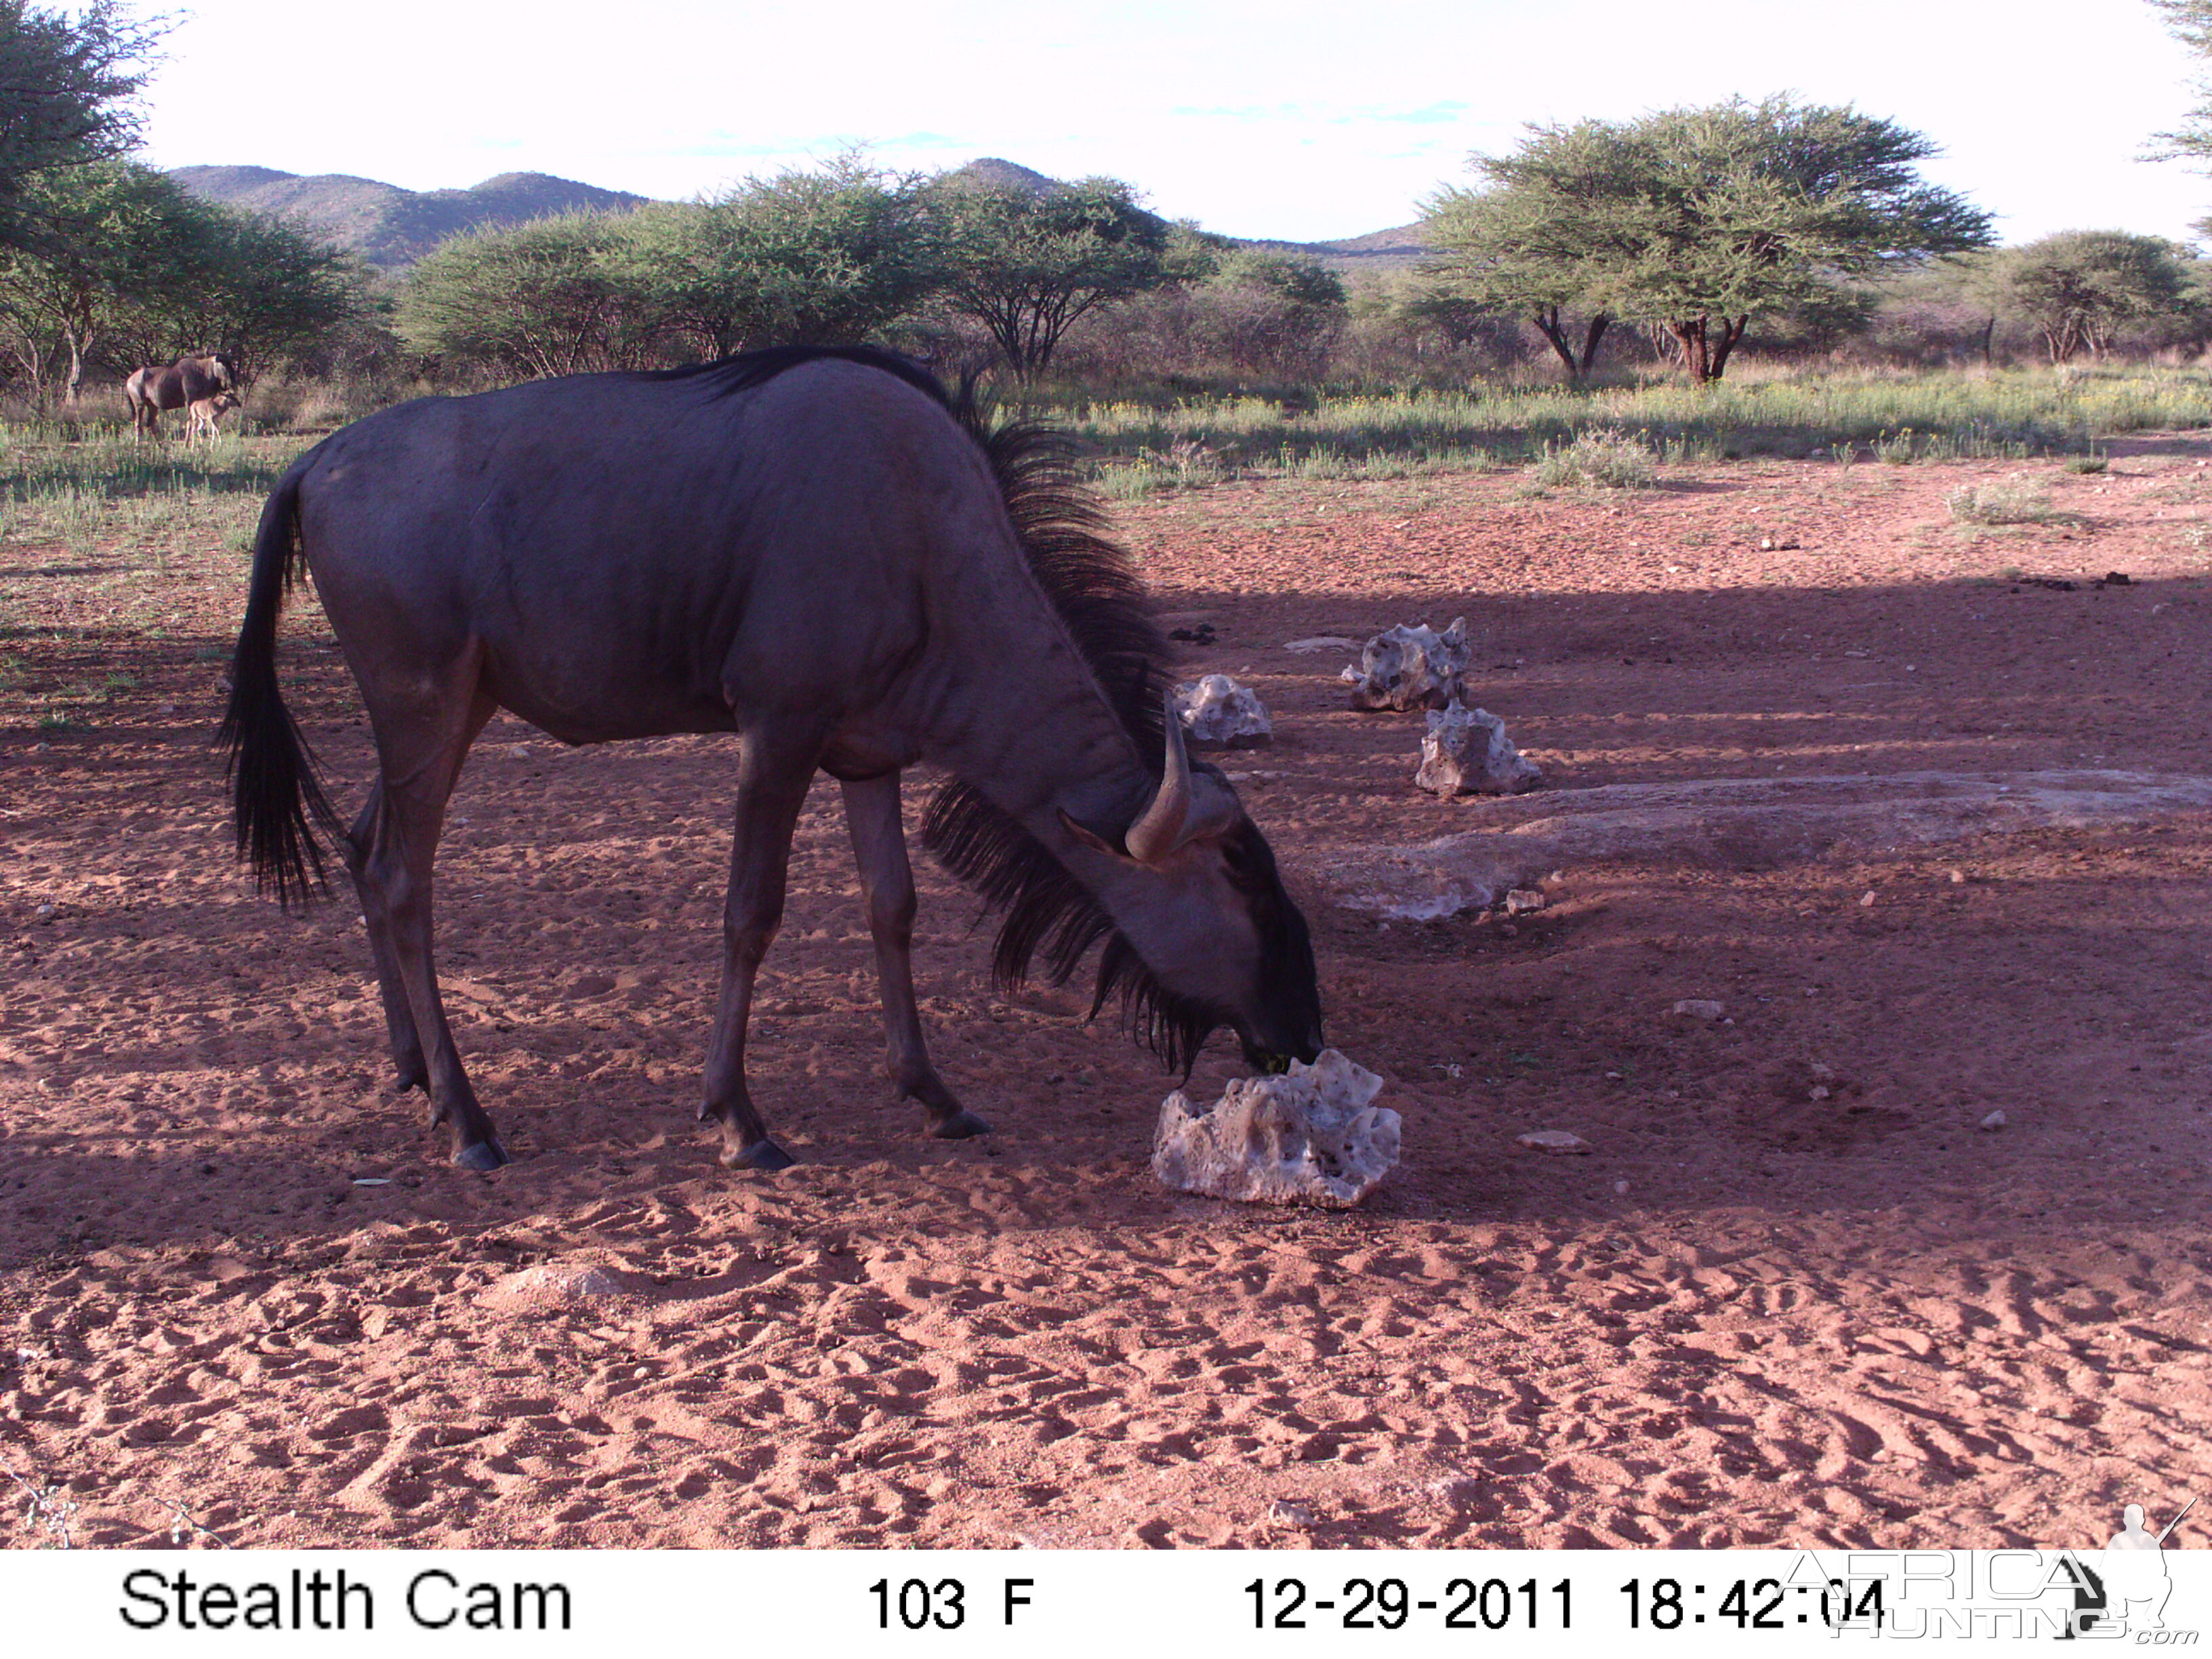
<point>2130,1584</point>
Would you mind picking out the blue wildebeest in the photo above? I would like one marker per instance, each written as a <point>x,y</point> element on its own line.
<point>203,414</point>
<point>179,385</point>
<point>818,550</point>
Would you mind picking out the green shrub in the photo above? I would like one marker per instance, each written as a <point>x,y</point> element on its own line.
<point>1603,458</point>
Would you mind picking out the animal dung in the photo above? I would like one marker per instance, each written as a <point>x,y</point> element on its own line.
<point>1466,752</point>
<point>1410,667</point>
<point>1311,1135</point>
<point>1216,712</point>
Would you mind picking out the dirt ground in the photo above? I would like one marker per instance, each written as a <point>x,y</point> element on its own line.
<point>1745,1317</point>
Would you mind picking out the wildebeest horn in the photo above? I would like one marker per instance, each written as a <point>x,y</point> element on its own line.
<point>1158,832</point>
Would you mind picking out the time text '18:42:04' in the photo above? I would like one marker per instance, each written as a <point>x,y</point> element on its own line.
<point>1749,1604</point>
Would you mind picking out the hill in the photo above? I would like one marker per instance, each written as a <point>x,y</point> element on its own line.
<point>1395,249</point>
<point>392,227</point>
<point>388,226</point>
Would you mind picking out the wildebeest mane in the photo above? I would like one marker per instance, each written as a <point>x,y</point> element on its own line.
<point>1088,579</point>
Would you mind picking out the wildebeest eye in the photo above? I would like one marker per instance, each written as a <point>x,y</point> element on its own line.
<point>1234,854</point>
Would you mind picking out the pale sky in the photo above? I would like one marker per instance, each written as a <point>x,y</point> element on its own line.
<point>1287,118</point>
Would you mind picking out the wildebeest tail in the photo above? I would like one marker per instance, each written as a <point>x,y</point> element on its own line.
<point>278,801</point>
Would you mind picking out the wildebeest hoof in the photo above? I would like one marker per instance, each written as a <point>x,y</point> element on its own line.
<point>482,1155</point>
<point>762,1154</point>
<point>958,1126</point>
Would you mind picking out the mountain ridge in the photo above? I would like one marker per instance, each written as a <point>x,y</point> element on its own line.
<point>392,227</point>
<point>386,225</point>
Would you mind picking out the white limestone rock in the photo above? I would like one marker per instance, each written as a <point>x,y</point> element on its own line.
<point>1311,1135</point>
<point>1406,667</point>
<point>1219,713</point>
<point>1466,752</point>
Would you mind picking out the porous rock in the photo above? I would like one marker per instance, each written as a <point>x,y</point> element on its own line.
<point>1408,667</point>
<point>1219,713</point>
<point>1466,752</point>
<point>1312,1135</point>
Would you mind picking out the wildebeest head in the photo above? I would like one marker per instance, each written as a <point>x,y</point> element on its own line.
<point>222,368</point>
<point>1206,934</point>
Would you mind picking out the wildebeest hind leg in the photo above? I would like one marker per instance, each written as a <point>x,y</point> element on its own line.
<point>774,770</point>
<point>872,814</point>
<point>398,1019</point>
<point>394,851</point>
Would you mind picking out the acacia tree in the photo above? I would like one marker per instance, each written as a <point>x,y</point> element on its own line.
<point>1700,220</point>
<point>132,268</point>
<point>827,258</point>
<point>2191,21</point>
<point>68,98</point>
<point>108,237</point>
<point>1027,262</point>
<point>2080,287</point>
<point>561,296</point>
<point>1517,249</point>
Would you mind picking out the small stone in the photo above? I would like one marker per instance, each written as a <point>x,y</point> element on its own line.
<point>1322,643</point>
<point>1700,1008</point>
<point>167,708</point>
<point>1621,1188</point>
<point>1466,752</point>
<point>521,750</point>
<point>1822,1073</point>
<point>1216,712</point>
<point>1866,902</point>
<point>1559,1142</point>
<point>1521,900</point>
<point>1958,878</point>
<point>2118,578</point>
<point>1612,1077</point>
<point>1289,1514</point>
<point>43,913</point>
<point>1820,1091</point>
<point>1995,1121</point>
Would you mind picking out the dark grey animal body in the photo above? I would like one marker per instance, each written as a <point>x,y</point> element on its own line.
<point>180,385</point>
<point>818,551</point>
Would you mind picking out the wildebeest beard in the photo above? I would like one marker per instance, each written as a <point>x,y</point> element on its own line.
<point>1047,909</point>
<point>1089,581</point>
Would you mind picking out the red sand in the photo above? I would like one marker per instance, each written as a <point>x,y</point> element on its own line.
<point>1747,1316</point>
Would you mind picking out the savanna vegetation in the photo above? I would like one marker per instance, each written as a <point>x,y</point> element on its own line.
<point>1768,277</point>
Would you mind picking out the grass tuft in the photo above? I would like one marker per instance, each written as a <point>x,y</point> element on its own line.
<point>2011,501</point>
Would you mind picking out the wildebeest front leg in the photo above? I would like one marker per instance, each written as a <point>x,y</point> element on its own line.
<point>774,772</point>
<point>872,814</point>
